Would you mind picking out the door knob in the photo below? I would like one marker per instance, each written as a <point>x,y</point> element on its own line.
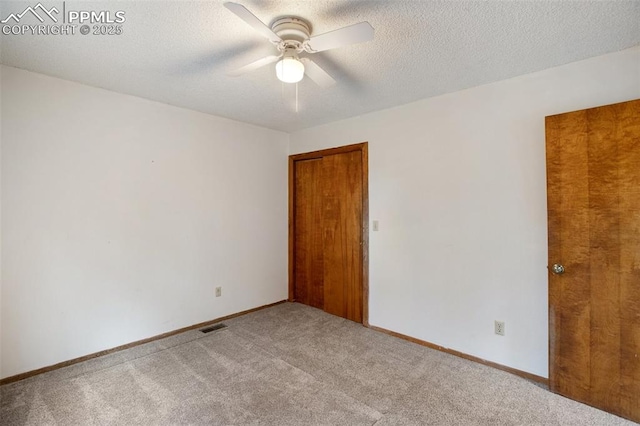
<point>557,269</point>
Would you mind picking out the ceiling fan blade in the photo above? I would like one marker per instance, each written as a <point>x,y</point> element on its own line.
<point>356,33</point>
<point>317,74</point>
<point>254,65</point>
<point>241,12</point>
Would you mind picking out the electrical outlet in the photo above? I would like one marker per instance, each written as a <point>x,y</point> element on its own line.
<point>499,328</point>
<point>218,291</point>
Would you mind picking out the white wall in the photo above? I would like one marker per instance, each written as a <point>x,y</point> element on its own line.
<point>458,185</point>
<point>121,216</point>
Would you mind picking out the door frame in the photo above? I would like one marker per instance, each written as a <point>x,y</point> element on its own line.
<point>363,147</point>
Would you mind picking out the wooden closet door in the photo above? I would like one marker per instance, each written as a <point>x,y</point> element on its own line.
<point>309,253</point>
<point>327,255</point>
<point>342,231</point>
<point>593,188</point>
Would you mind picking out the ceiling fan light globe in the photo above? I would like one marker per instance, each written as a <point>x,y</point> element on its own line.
<point>289,70</point>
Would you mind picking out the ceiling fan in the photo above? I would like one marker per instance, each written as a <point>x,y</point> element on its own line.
<point>292,36</point>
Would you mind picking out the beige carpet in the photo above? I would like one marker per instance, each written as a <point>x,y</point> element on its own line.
<point>287,365</point>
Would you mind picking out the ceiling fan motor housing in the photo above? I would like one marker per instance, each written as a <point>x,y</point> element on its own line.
<point>293,31</point>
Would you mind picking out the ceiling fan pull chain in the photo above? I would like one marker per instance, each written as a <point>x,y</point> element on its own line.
<point>296,97</point>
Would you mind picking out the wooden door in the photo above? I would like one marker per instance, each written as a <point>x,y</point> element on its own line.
<point>309,253</point>
<point>593,187</point>
<point>328,230</point>
<point>342,234</point>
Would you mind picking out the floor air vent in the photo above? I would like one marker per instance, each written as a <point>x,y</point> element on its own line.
<point>213,328</point>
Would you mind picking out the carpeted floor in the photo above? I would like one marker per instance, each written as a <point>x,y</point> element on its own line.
<point>287,365</point>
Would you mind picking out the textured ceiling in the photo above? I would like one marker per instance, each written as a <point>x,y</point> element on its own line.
<point>177,52</point>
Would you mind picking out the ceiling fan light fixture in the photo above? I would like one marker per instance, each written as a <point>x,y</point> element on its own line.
<point>289,70</point>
